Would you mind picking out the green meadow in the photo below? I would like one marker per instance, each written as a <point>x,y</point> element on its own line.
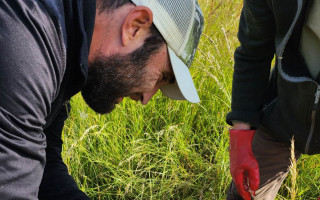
<point>172,149</point>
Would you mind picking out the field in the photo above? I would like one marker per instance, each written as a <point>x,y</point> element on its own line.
<point>172,149</point>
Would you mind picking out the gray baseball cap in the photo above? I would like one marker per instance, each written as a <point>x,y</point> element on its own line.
<point>180,22</point>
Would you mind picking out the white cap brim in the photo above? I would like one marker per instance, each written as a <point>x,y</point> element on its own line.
<point>183,88</point>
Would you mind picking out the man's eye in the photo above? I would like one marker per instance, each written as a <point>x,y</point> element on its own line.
<point>169,78</point>
<point>164,78</point>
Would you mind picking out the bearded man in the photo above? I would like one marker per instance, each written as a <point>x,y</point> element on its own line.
<point>108,50</point>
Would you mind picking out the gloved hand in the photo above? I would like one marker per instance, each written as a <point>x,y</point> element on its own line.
<point>243,165</point>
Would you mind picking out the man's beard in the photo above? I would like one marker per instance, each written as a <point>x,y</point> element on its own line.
<point>110,78</point>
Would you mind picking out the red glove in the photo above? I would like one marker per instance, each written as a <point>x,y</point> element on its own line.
<point>243,165</point>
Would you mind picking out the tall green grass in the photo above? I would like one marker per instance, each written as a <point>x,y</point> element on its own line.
<point>170,149</point>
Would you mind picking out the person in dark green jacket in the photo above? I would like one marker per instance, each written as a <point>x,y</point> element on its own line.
<point>272,106</point>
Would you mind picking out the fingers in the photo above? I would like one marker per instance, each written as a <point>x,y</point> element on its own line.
<point>247,182</point>
<point>254,179</point>
<point>240,181</point>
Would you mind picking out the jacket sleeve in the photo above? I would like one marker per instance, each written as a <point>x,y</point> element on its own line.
<point>252,61</point>
<point>56,182</point>
<point>29,82</point>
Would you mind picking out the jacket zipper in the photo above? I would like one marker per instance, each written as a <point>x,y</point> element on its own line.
<point>313,119</point>
<point>288,34</point>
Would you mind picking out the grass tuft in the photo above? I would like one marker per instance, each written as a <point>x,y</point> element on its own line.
<point>293,172</point>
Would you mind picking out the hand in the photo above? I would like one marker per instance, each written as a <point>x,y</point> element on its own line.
<point>244,167</point>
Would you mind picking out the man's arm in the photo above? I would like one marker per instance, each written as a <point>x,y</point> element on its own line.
<point>252,62</point>
<point>29,81</point>
<point>56,182</point>
<point>250,83</point>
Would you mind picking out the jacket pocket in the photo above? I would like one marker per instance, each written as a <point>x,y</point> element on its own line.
<point>289,115</point>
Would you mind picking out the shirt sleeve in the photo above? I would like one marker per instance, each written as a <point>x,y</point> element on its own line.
<point>29,81</point>
<point>56,182</point>
<point>252,61</point>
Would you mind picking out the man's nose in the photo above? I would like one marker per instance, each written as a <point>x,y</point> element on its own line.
<point>148,95</point>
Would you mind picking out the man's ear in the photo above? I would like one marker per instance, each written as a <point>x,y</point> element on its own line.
<point>136,26</point>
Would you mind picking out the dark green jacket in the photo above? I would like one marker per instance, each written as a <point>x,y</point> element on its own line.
<point>283,101</point>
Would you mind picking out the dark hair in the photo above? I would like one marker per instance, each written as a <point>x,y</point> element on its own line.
<point>110,5</point>
<point>152,43</point>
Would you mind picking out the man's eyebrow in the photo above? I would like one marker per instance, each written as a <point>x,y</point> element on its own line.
<point>168,76</point>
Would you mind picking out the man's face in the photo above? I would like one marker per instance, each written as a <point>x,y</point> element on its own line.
<point>111,78</point>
